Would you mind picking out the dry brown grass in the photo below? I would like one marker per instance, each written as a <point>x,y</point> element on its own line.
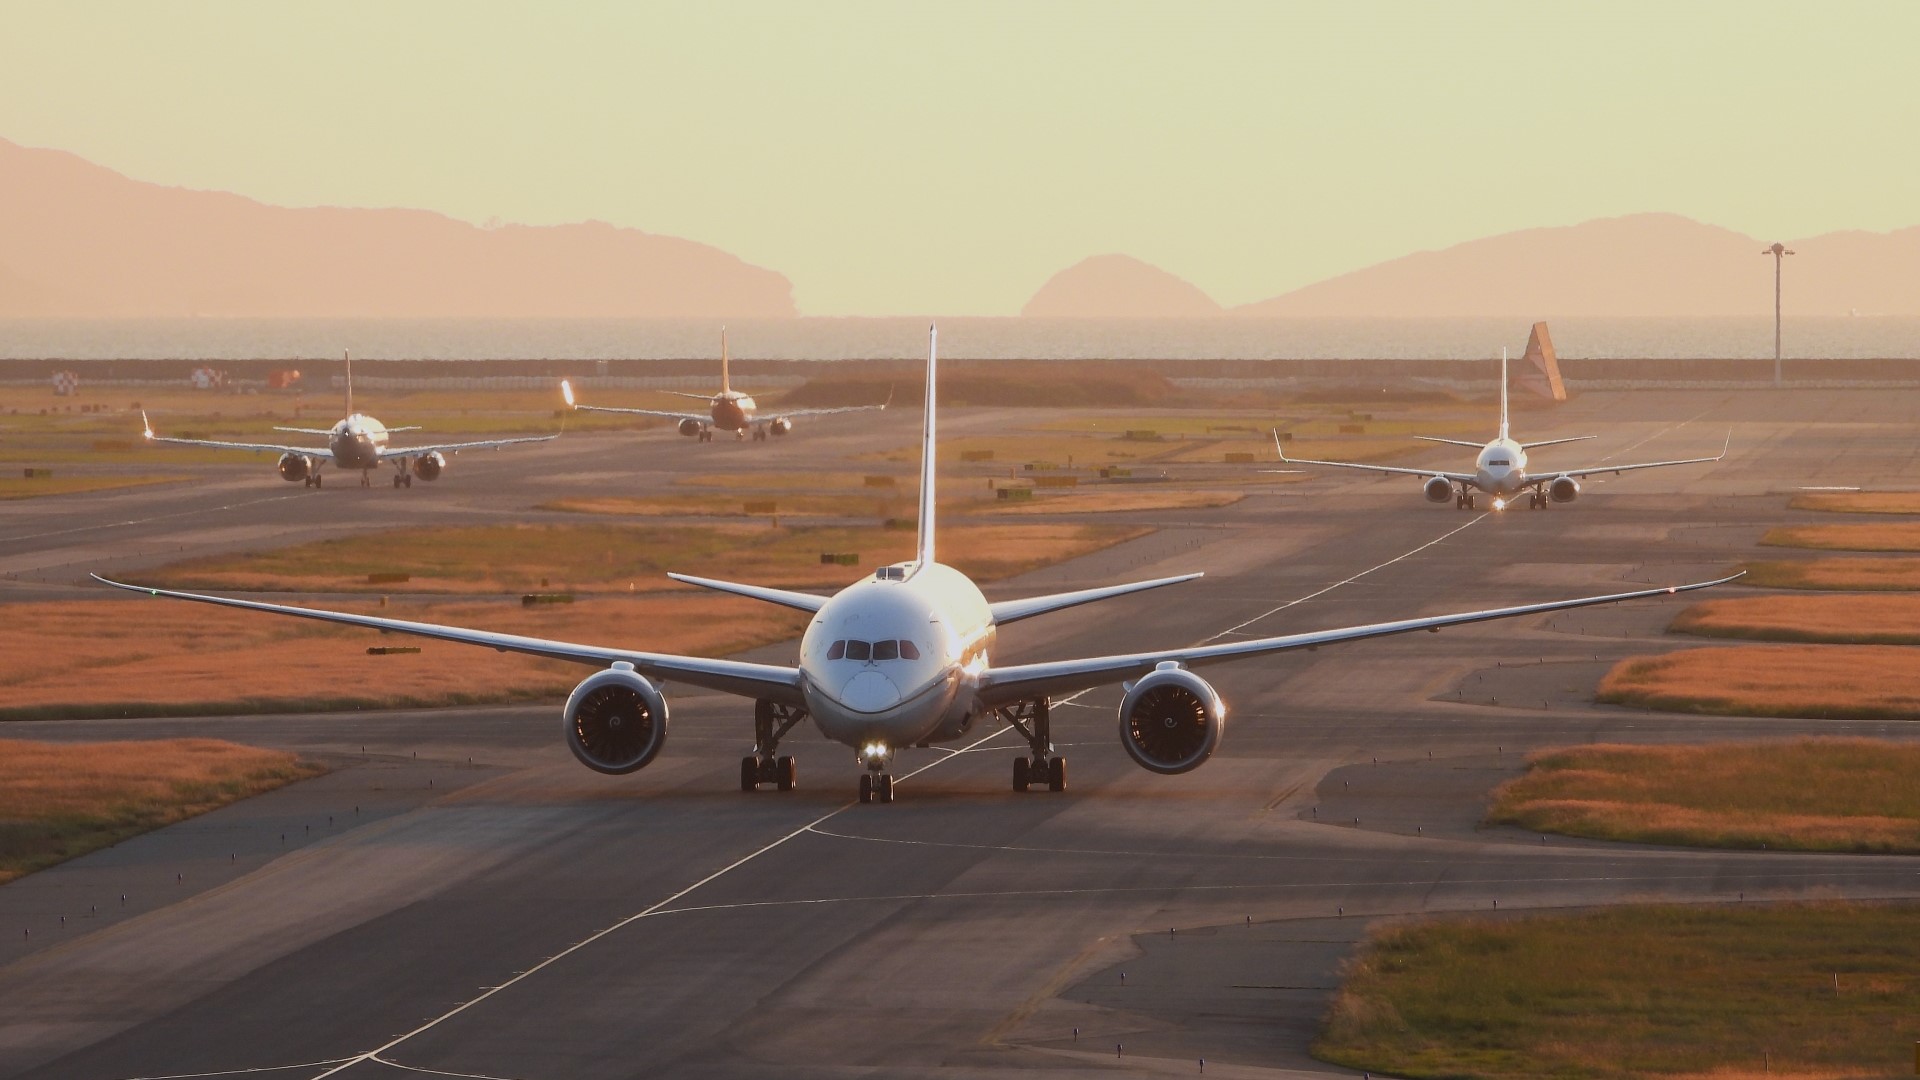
<point>1654,990</point>
<point>1878,536</point>
<point>62,800</point>
<point>1858,502</point>
<point>589,557</point>
<point>1851,682</point>
<point>19,487</point>
<point>165,657</point>
<point>1840,620</point>
<point>1860,795</point>
<point>1850,575</point>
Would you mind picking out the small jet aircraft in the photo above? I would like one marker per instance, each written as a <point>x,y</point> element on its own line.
<point>903,658</point>
<point>356,442</point>
<point>728,410</point>
<point>1500,469</point>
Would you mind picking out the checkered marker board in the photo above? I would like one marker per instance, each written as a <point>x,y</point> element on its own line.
<point>65,383</point>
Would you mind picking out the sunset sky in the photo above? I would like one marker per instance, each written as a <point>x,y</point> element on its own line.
<point>896,158</point>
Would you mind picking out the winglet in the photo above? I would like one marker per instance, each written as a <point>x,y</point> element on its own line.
<point>1276,445</point>
<point>146,425</point>
<point>566,393</point>
<point>929,462</point>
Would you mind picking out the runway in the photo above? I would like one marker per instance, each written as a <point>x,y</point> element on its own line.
<point>459,898</point>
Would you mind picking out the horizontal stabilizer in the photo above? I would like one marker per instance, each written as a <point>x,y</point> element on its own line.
<point>1014,610</point>
<point>802,601</point>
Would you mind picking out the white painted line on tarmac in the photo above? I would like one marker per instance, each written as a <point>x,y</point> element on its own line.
<point>1471,522</point>
<point>148,520</point>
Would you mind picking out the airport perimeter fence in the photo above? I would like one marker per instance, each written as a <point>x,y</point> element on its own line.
<point>1489,387</point>
<point>693,383</point>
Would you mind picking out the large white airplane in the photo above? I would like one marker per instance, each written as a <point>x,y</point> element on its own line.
<point>902,658</point>
<point>728,410</point>
<point>357,442</point>
<point>1500,469</point>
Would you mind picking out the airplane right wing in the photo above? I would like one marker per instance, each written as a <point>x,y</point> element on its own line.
<point>789,413</point>
<point>766,681</point>
<point>1596,470</point>
<point>1456,477</point>
<point>1025,682</point>
<point>274,448</point>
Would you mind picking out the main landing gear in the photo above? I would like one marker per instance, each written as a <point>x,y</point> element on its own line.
<point>1033,719</point>
<point>1463,501</point>
<point>314,480</point>
<point>401,480</point>
<point>1538,500</point>
<point>771,722</point>
<point>365,480</point>
<point>759,434</point>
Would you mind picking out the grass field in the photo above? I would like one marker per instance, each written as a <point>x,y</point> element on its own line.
<point>1857,619</point>
<point>1085,500</point>
<point>1878,536</point>
<point>19,487</point>
<point>1860,795</point>
<point>1712,993</point>
<point>153,657</point>
<point>62,800</point>
<point>1858,502</point>
<point>1852,575</point>
<point>1841,682</point>
<point>611,557</point>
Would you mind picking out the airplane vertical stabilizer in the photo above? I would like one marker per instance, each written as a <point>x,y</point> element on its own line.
<point>929,461</point>
<point>346,356</point>
<point>1503,393</point>
<point>725,385</point>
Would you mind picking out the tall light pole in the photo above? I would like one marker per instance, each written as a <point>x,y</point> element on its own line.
<point>1779,253</point>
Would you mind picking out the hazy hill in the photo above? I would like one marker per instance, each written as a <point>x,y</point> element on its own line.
<point>1642,264</point>
<point>1118,287</point>
<point>77,239</point>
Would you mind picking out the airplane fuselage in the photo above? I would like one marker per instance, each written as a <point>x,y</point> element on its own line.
<point>1501,468</point>
<point>356,442</point>
<point>893,660</point>
<point>732,411</point>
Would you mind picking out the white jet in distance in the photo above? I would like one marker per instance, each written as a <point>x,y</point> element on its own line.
<point>357,442</point>
<point>728,410</point>
<point>903,658</point>
<point>1500,469</point>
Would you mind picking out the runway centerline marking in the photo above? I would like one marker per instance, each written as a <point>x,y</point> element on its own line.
<point>1322,592</point>
<point>374,1054</point>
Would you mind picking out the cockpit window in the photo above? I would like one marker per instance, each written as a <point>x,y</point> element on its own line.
<point>1498,461</point>
<point>873,650</point>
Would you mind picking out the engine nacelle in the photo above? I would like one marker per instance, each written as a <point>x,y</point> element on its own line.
<point>1171,720</point>
<point>779,425</point>
<point>1439,489</point>
<point>1563,489</point>
<point>690,427</point>
<point>429,466</point>
<point>615,720</point>
<point>295,467</point>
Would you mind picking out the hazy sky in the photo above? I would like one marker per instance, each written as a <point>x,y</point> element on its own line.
<point>896,158</point>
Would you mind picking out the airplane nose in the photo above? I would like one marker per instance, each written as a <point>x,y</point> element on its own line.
<point>870,692</point>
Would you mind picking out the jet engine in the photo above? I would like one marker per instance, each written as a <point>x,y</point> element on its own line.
<point>689,427</point>
<point>1563,489</point>
<point>295,467</point>
<point>1439,489</point>
<point>779,425</point>
<point>615,720</point>
<point>429,466</point>
<point>1170,721</point>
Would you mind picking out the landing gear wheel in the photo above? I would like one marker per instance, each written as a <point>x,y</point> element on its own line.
<point>396,483</point>
<point>1022,774</point>
<point>408,483</point>
<point>317,480</point>
<point>1459,502</point>
<point>866,787</point>
<point>1057,774</point>
<point>1469,502</point>
<point>883,788</point>
<point>786,773</point>
<point>749,774</point>
<point>308,481</point>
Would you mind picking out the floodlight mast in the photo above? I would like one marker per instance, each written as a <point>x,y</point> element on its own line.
<point>1779,253</point>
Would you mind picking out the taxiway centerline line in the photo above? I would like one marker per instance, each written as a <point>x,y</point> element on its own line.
<point>148,520</point>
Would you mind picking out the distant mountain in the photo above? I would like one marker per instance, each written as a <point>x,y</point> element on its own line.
<point>77,239</point>
<point>1118,287</point>
<point>1643,264</point>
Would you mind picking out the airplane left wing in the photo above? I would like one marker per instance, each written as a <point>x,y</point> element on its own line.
<point>1024,682</point>
<point>1390,470</point>
<point>1596,470</point>
<point>767,681</point>
<point>272,448</point>
<point>454,448</point>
